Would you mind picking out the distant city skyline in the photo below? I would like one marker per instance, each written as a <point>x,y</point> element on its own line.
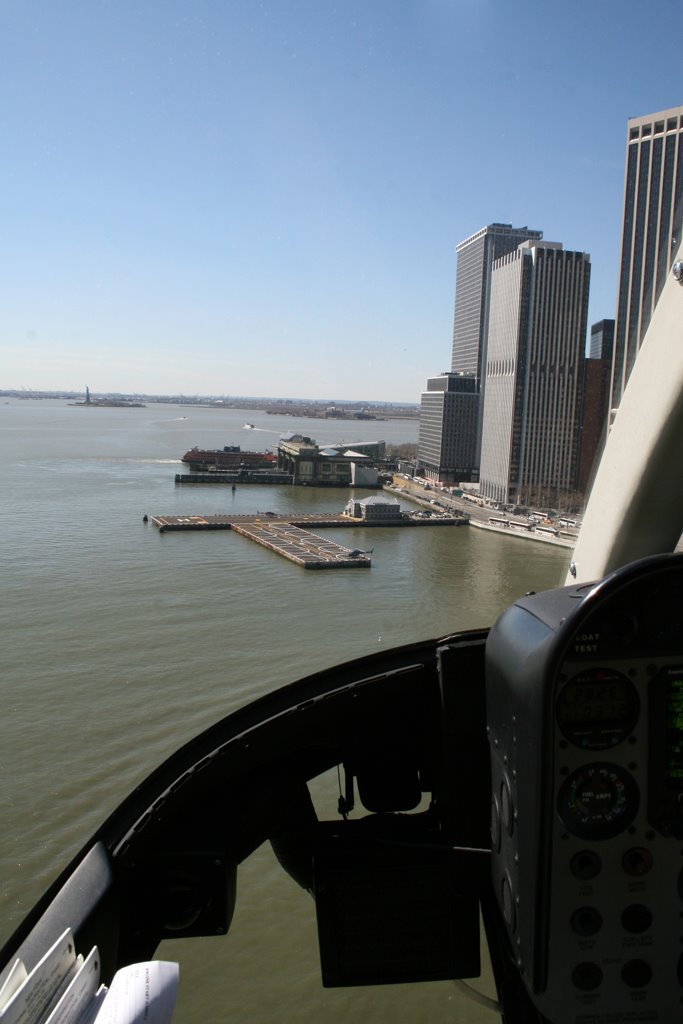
<point>248,199</point>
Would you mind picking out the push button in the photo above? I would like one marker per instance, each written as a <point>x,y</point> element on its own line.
<point>586,921</point>
<point>495,825</point>
<point>636,973</point>
<point>637,861</point>
<point>586,864</point>
<point>636,918</point>
<point>508,902</point>
<point>586,976</point>
<point>507,816</point>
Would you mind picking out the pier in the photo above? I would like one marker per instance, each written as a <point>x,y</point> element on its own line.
<point>290,536</point>
<point>303,547</point>
<point>237,476</point>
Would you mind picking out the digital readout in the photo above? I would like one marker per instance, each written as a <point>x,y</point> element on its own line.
<point>598,709</point>
<point>594,703</point>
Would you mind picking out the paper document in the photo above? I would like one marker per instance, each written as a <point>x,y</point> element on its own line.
<point>141,993</point>
<point>63,988</point>
<point>79,993</point>
<point>36,992</point>
<point>11,981</point>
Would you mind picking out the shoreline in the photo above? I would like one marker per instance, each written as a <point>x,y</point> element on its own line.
<point>541,538</point>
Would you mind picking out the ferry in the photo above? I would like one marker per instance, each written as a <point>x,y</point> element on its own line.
<point>229,457</point>
<point>525,779</point>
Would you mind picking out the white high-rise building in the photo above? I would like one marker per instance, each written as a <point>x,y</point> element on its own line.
<point>531,428</point>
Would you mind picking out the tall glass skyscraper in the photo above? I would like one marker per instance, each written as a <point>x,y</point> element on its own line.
<point>651,232</point>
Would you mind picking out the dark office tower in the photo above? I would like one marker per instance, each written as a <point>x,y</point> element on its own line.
<point>651,231</point>
<point>596,379</point>
<point>448,427</point>
<point>534,375</point>
<point>602,340</point>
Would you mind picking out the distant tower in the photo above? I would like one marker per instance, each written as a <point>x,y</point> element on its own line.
<point>602,340</point>
<point>651,230</point>
<point>534,374</point>
<point>87,395</point>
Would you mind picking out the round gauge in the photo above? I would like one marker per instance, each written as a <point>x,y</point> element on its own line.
<point>597,708</point>
<point>598,801</point>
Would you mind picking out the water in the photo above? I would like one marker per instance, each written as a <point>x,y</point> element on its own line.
<point>120,644</point>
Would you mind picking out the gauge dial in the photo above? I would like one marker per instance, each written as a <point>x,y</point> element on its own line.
<point>598,801</point>
<point>597,709</point>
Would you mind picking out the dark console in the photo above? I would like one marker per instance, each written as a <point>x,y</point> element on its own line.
<point>585,726</point>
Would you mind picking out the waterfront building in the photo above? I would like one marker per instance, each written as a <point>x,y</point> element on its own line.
<point>602,340</point>
<point>534,374</point>
<point>448,428</point>
<point>375,509</point>
<point>309,464</point>
<point>374,450</point>
<point>651,231</point>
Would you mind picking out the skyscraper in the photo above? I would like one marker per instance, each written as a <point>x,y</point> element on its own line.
<point>448,427</point>
<point>602,340</point>
<point>475,257</point>
<point>534,374</point>
<point>651,231</point>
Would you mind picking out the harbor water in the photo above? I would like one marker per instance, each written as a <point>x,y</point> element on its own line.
<point>121,643</point>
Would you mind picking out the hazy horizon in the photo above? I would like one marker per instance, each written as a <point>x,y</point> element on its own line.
<point>40,393</point>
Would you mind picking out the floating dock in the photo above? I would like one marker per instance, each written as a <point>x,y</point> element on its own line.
<point>281,535</point>
<point>302,546</point>
<point>290,536</point>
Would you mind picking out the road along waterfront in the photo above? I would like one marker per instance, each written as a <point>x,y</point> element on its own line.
<point>481,515</point>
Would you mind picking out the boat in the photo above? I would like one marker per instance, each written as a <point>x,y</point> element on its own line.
<point>229,457</point>
<point>248,426</point>
<point>531,771</point>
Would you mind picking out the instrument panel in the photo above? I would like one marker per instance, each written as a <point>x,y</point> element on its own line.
<point>585,722</point>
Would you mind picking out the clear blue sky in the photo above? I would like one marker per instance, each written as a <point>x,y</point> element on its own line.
<point>263,198</point>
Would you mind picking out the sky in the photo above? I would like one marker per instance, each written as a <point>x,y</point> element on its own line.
<point>234,197</point>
